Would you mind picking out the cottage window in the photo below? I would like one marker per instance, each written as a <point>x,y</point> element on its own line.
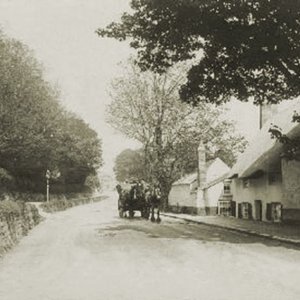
<point>224,208</point>
<point>226,189</point>
<point>274,211</point>
<point>273,178</point>
<point>246,183</point>
<point>245,210</point>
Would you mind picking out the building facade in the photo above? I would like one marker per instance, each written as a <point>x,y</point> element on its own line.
<point>264,184</point>
<point>198,193</point>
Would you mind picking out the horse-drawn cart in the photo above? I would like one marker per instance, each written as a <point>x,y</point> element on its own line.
<point>132,197</point>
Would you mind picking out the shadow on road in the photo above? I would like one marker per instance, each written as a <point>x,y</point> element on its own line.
<point>170,229</point>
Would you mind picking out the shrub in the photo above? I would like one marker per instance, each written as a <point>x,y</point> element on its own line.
<point>8,207</point>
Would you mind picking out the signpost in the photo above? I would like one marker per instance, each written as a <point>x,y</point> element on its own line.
<point>48,176</point>
<point>54,174</point>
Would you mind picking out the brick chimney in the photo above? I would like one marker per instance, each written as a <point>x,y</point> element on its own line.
<point>201,165</point>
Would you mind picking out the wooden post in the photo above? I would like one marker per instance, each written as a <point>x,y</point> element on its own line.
<point>47,190</point>
<point>48,176</point>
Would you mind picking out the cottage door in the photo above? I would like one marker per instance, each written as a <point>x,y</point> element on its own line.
<point>233,208</point>
<point>258,210</point>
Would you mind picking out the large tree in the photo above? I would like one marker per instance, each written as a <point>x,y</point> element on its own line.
<point>76,152</point>
<point>251,49</point>
<point>130,164</point>
<point>36,133</point>
<point>146,107</point>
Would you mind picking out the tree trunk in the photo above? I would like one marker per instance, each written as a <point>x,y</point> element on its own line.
<point>165,190</point>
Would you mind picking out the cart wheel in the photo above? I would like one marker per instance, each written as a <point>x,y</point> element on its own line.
<point>146,214</point>
<point>121,212</point>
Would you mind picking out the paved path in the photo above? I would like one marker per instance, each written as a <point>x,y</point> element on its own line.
<point>88,253</point>
<point>276,231</point>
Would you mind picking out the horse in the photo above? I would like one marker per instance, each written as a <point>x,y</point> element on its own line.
<point>154,200</point>
<point>124,199</point>
<point>131,198</point>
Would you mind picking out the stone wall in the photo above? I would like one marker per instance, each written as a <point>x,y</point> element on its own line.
<point>291,190</point>
<point>16,219</point>
<point>63,203</point>
<point>182,209</point>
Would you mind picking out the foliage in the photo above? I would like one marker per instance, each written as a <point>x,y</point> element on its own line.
<point>93,182</point>
<point>8,207</point>
<point>130,164</point>
<point>36,133</point>
<point>6,180</point>
<point>291,146</point>
<point>249,48</point>
<point>17,218</point>
<point>77,151</point>
<point>145,107</point>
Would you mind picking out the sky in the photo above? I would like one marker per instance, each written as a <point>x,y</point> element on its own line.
<point>62,35</point>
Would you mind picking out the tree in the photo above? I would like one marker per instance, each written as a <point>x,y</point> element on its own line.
<point>146,107</point>
<point>250,49</point>
<point>29,110</point>
<point>130,164</point>
<point>36,133</point>
<point>291,146</point>
<point>76,152</point>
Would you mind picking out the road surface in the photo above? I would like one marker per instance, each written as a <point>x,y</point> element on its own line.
<point>88,253</point>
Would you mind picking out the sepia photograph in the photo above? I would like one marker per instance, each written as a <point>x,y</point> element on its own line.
<point>149,149</point>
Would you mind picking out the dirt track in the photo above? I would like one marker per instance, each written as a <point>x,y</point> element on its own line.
<point>88,253</point>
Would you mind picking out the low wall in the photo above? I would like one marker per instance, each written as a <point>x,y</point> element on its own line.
<point>208,211</point>
<point>63,204</point>
<point>205,211</point>
<point>16,219</point>
<point>291,215</point>
<point>182,209</point>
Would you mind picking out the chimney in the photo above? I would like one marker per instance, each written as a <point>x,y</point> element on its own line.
<point>266,112</point>
<point>201,165</point>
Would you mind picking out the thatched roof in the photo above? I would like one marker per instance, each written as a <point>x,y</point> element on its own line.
<point>220,172</point>
<point>187,179</point>
<point>263,150</point>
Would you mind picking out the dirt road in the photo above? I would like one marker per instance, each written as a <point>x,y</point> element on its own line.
<point>88,253</point>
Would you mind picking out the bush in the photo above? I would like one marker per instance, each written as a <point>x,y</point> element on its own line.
<point>8,207</point>
<point>22,196</point>
<point>18,208</point>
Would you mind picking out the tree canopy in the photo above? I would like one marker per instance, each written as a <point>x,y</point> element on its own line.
<point>248,49</point>
<point>130,164</point>
<point>146,107</point>
<point>36,132</point>
<point>291,146</point>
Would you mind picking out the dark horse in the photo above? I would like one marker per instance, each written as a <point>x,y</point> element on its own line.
<point>153,198</point>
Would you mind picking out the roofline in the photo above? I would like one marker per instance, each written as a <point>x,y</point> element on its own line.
<point>216,181</point>
<point>272,147</point>
<point>184,183</point>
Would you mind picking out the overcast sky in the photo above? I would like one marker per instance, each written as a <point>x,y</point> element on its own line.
<point>61,32</point>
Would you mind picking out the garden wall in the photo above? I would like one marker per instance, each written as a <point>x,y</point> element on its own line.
<point>16,219</point>
<point>63,203</point>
